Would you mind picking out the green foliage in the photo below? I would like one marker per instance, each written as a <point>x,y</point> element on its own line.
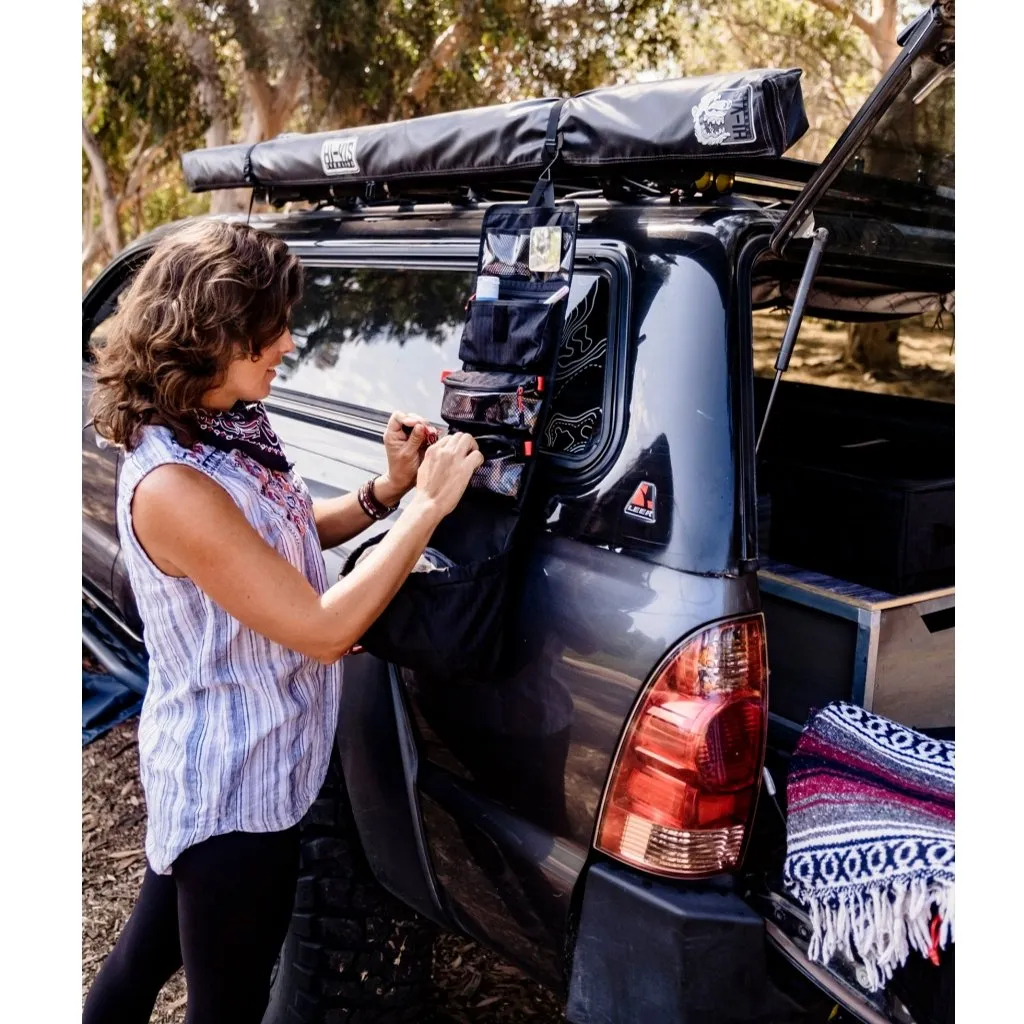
<point>138,99</point>
<point>137,80</point>
<point>358,58</point>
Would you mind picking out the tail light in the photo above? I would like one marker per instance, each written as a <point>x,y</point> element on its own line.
<point>685,779</point>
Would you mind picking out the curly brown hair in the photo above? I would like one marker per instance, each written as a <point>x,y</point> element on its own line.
<point>210,292</point>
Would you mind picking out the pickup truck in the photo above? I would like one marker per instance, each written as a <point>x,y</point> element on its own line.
<point>672,542</point>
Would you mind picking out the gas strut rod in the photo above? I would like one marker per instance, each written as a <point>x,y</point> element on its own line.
<point>796,317</point>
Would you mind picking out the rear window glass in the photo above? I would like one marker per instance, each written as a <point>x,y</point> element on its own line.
<point>379,338</point>
<point>913,356</point>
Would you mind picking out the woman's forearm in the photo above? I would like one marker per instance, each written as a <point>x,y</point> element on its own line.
<point>191,527</point>
<point>341,519</point>
<point>349,607</point>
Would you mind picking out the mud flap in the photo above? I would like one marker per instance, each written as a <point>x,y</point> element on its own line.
<point>650,950</point>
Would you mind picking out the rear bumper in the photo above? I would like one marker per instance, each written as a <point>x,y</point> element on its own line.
<point>650,950</point>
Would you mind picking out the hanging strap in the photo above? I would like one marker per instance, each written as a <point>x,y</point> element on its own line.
<point>543,193</point>
<point>247,176</point>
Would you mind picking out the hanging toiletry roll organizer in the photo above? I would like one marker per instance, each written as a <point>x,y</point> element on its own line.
<point>453,619</point>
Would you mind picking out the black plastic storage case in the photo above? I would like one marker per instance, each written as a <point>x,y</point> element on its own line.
<point>875,515</point>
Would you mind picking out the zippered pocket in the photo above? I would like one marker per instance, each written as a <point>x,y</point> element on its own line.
<point>493,399</point>
<point>505,460</point>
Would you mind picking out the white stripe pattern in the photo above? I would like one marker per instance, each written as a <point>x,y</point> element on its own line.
<point>236,730</point>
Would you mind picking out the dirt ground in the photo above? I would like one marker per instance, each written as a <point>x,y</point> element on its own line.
<point>472,985</point>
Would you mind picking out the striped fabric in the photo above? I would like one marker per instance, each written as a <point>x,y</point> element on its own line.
<point>236,730</point>
<point>871,848</point>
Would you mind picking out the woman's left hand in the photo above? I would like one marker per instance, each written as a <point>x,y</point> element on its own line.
<point>405,453</point>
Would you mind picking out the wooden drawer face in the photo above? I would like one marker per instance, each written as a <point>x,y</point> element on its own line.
<point>833,641</point>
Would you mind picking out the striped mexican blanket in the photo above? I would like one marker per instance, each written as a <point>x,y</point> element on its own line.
<point>870,840</point>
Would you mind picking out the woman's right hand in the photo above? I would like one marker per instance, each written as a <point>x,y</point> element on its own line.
<point>446,470</point>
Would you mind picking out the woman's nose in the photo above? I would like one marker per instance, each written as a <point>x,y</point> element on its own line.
<point>287,343</point>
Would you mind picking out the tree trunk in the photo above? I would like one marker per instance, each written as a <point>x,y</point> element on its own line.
<point>91,250</point>
<point>448,47</point>
<point>874,347</point>
<point>108,201</point>
<point>270,107</point>
<point>213,101</point>
<point>886,28</point>
<point>881,32</point>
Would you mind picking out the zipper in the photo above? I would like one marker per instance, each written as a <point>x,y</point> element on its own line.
<point>487,381</point>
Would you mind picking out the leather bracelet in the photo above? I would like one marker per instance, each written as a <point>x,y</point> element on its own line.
<point>370,504</point>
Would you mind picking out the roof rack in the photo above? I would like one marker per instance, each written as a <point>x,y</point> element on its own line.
<point>644,138</point>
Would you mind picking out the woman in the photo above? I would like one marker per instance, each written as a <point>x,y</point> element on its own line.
<point>223,546</point>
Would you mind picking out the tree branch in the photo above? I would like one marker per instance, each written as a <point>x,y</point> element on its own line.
<point>143,162</point>
<point>90,251</point>
<point>209,87</point>
<point>108,202</point>
<point>448,46</point>
<point>840,10</point>
<point>249,36</point>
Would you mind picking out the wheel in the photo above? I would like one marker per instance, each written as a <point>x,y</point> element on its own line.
<point>354,954</point>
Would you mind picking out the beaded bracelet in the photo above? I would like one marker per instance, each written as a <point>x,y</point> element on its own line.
<point>369,503</point>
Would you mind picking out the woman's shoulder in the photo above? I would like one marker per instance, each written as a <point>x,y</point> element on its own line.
<point>157,445</point>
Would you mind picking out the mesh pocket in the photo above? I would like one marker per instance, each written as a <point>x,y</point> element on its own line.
<point>512,401</point>
<point>529,243</point>
<point>502,474</point>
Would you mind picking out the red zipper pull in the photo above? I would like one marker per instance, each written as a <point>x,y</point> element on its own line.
<point>519,398</point>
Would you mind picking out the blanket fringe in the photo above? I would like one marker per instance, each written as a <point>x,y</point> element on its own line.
<point>876,926</point>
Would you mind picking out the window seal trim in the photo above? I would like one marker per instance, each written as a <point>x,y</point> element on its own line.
<point>750,252</point>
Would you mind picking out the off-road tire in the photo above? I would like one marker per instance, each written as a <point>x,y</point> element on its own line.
<point>354,954</point>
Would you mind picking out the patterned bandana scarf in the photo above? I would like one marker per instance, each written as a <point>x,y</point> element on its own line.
<point>244,428</point>
<point>870,840</point>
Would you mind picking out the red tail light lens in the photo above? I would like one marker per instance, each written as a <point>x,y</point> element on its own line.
<point>682,789</point>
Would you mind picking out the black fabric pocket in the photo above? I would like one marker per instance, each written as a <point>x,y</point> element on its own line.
<point>511,401</point>
<point>511,335</point>
<point>450,622</point>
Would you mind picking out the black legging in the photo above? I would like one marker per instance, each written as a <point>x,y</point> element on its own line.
<point>223,912</point>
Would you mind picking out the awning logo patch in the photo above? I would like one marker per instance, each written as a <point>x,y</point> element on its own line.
<point>724,118</point>
<point>338,156</point>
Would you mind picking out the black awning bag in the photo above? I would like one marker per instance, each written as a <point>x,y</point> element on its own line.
<point>624,129</point>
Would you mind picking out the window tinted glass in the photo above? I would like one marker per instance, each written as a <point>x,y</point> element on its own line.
<point>913,357</point>
<point>379,338</point>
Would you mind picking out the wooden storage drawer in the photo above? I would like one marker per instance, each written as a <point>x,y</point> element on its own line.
<point>831,640</point>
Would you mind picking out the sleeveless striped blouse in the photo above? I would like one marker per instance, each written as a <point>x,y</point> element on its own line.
<point>236,731</point>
